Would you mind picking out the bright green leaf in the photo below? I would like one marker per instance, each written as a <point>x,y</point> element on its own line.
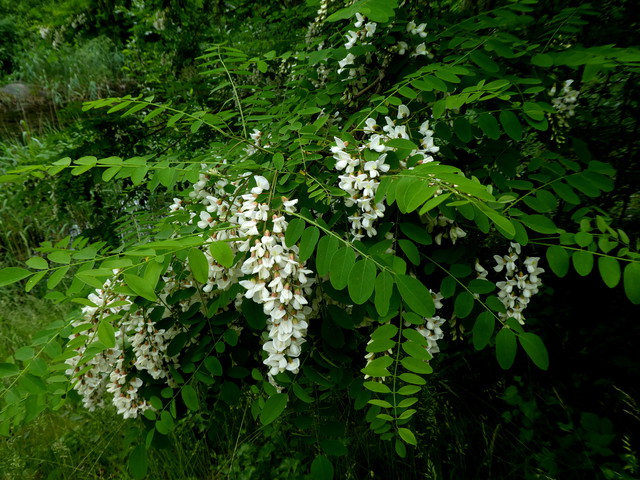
<point>506,347</point>
<point>222,253</point>
<point>341,265</point>
<point>535,349</point>
<point>273,408</point>
<point>140,287</point>
<point>383,291</point>
<point>609,271</point>
<point>632,282</point>
<point>416,295</point>
<point>511,124</point>
<point>308,243</point>
<point>199,265</point>
<point>11,275</point>
<point>558,259</point>
<point>483,330</point>
<point>408,436</point>
<point>582,262</point>
<point>190,397</point>
<point>138,462</point>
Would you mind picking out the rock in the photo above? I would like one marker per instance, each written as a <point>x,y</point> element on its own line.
<point>19,96</point>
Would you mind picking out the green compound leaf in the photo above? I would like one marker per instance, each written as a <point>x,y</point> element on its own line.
<point>222,253</point>
<point>308,243</point>
<point>408,436</point>
<point>327,247</point>
<point>273,408</point>
<point>380,345</point>
<point>483,330</point>
<point>375,10</point>
<point>535,349</point>
<point>416,295</point>
<point>416,351</point>
<point>11,275</point>
<point>489,125</point>
<point>542,60</point>
<point>8,370</point>
<point>294,231</point>
<point>511,124</point>
<point>138,462</point>
<point>199,265</point>
<point>481,286</point>
<point>383,404</point>
<point>609,271</point>
<point>502,223</point>
<point>386,331</point>
<point>539,223</point>
<point>463,304</point>
<point>378,367</point>
<point>506,347</point>
<point>408,390</point>
<point>582,262</point>
<point>416,366</point>
<point>278,158</point>
<point>414,194</point>
<point>433,203</point>
<point>341,265</point>
<point>632,282</point>
<point>33,281</point>
<point>377,387</point>
<point>190,397</point>
<point>400,448</point>
<point>321,468</point>
<point>38,263</point>
<point>140,287</point>
<point>106,334</point>
<point>412,378</point>
<point>213,365</point>
<point>410,250</point>
<point>558,259</point>
<point>362,279</point>
<point>383,291</point>
<point>302,394</point>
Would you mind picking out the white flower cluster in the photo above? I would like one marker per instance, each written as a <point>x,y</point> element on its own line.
<point>360,177</point>
<point>140,348</point>
<point>256,136</point>
<point>431,330</point>
<point>271,273</point>
<point>419,31</point>
<point>566,100</point>
<point>316,24</point>
<point>364,31</point>
<point>447,228</point>
<point>520,284</point>
<point>361,183</point>
<point>279,282</point>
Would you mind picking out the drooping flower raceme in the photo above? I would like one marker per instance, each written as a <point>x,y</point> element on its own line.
<point>521,281</point>
<point>269,271</point>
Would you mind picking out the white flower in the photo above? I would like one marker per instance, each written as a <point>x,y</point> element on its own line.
<point>370,29</point>
<point>261,183</point>
<point>403,112</point>
<point>205,220</point>
<point>371,125</point>
<point>352,38</point>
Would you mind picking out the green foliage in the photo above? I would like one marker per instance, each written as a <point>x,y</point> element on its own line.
<point>322,194</point>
